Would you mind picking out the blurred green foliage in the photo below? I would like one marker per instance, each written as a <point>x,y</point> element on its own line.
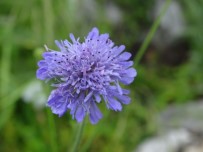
<point>25,26</point>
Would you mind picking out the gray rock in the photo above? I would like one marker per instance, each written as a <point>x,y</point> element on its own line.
<point>172,25</point>
<point>180,129</point>
<point>169,142</point>
<point>189,116</point>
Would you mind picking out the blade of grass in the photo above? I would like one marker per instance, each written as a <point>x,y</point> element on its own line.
<point>6,57</point>
<point>49,38</point>
<point>5,68</point>
<point>8,104</point>
<point>151,33</point>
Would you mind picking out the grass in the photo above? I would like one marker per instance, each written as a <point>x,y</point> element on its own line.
<point>25,26</point>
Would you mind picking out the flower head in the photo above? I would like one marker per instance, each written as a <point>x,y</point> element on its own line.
<point>84,73</point>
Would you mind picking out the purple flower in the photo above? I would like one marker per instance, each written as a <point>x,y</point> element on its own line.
<point>84,73</point>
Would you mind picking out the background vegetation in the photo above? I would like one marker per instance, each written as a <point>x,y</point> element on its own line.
<point>166,75</point>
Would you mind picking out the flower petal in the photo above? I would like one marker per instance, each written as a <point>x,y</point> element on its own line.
<point>89,95</point>
<point>127,80</point>
<point>72,106</point>
<point>75,102</point>
<point>47,55</point>
<point>126,64</point>
<point>42,73</point>
<point>104,37</point>
<point>60,45</point>
<point>119,88</point>
<point>121,97</point>
<point>80,114</point>
<point>124,56</point>
<point>124,99</point>
<point>57,104</point>
<point>94,33</point>
<point>113,104</point>
<point>95,114</point>
<point>118,50</point>
<point>97,97</point>
<point>131,72</point>
<point>72,38</point>
<point>42,63</point>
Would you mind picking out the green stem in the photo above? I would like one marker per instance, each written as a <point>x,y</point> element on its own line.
<point>78,136</point>
<point>52,131</point>
<point>151,33</point>
<point>48,21</point>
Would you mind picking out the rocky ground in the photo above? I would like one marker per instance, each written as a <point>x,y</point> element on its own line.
<point>180,129</point>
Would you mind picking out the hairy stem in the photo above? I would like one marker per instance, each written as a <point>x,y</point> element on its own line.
<point>78,136</point>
